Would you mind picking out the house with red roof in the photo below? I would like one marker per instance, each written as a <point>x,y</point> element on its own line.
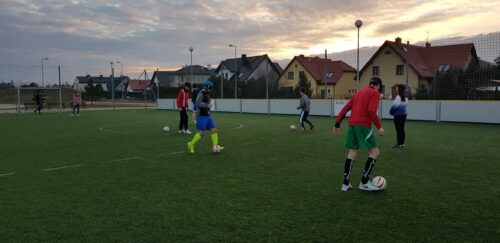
<point>394,58</point>
<point>329,79</point>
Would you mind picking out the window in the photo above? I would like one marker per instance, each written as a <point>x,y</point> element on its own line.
<point>444,67</point>
<point>295,65</point>
<point>400,69</point>
<point>376,71</point>
<point>301,74</point>
<point>290,76</point>
<point>225,76</point>
<point>388,52</point>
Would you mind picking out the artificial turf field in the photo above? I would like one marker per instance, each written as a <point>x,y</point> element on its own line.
<point>115,176</point>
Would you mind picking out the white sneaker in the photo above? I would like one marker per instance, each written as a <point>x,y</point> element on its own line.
<point>346,188</point>
<point>187,132</point>
<point>368,187</point>
<point>182,131</point>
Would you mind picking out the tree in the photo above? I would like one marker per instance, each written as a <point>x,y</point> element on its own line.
<point>303,83</point>
<point>92,92</point>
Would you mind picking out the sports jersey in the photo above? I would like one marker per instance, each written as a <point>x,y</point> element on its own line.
<point>363,106</point>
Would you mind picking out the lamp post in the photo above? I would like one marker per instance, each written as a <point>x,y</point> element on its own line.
<point>121,74</point>
<point>43,81</point>
<point>113,84</point>
<point>358,25</point>
<point>235,73</point>
<point>191,49</point>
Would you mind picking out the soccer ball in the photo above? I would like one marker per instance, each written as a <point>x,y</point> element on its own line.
<point>379,182</point>
<point>216,149</point>
<point>166,128</point>
<point>292,127</point>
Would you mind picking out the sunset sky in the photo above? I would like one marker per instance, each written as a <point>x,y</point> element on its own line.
<point>158,34</point>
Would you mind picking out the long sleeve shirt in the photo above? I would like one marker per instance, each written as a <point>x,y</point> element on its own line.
<point>363,107</point>
<point>182,99</point>
<point>305,104</point>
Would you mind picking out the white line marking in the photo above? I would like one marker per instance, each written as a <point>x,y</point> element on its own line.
<point>63,167</point>
<point>178,152</point>
<point>238,127</point>
<point>249,143</point>
<point>101,129</point>
<point>8,174</point>
<point>124,159</point>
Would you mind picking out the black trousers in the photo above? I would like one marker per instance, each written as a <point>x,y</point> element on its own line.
<point>399,123</point>
<point>183,123</point>
<point>303,118</point>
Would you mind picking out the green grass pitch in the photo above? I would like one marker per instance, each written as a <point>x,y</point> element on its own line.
<point>116,176</point>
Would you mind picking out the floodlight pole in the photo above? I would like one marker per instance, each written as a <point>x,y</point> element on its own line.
<point>60,88</point>
<point>358,25</point>
<point>121,74</point>
<point>191,49</point>
<point>235,73</point>
<point>113,85</point>
<point>43,59</point>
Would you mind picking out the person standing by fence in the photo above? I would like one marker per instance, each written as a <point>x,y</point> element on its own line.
<point>398,110</point>
<point>38,98</point>
<point>77,101</point>
<point>193,100</point>
<point>182,105</point>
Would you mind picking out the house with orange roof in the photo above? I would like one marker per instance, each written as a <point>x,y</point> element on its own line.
<point>329,79</point>
<point>393,58</point>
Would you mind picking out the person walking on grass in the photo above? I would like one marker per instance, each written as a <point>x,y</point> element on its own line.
<point>398,110</point>
<point>77,101</point>
<point>182,105</point>
<point>193,100</point>
<point>363,106</point>
<point>305,107</point>
<point>204,122</point>
<point>38,99</point>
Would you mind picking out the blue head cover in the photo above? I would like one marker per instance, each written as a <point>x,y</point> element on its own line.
<point>208,84</point>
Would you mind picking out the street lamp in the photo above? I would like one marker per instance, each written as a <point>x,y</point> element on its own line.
<point>235,73</point>
<point>113,84</point>
<point>121,75</point>
<point>43,59</point>
<point>358,25</point>
<point>191,49</point>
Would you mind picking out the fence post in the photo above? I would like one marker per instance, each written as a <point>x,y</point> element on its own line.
<point>269,106</point>
<point>18,100</point>
<point>60,89</point>
<point>438,111</point>
<point>241,105</point>
<point>332,108</point>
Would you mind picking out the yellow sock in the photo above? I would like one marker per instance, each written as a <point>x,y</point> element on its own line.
<point>215,139</point>
<point>196,138</point>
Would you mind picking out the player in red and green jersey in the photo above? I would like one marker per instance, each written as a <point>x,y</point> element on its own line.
<point>363,106</point>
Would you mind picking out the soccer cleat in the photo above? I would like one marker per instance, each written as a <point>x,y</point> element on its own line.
<point>312,127</point>
<point>182,131</point>
<point>221,148</point>
<point>346,188</point>
<point>368,187</point>
<point>190,147</point>
<point>187,132</point>
<point>399,146</point>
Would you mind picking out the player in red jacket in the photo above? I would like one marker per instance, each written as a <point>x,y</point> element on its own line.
<point>182,105</point>
<point>363,106</point>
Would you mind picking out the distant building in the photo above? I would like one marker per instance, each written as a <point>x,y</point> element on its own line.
<point>248,68</point>
<point>137,86</point>
<point>338,76</point>
<point>391,59</point>
<point>105,82</point>
<point>181,76</point>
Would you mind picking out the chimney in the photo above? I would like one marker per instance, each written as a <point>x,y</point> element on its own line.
<point>427,44</point>
<point>301,55</point>
<point>398,41</point>
<point>408,43</point>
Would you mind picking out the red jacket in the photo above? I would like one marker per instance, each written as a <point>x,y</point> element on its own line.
<point>363,106</point>
<point>182,99</point>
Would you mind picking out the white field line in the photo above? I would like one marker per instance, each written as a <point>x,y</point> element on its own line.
<point>8,174</point>
<point>238,127</point>
<point>177,152</point>
<point>101,129</point>
<point>62,167</point>
<point>249,143</point>
<point>124,159</point>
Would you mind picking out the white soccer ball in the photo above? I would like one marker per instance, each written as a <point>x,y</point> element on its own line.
<point>379,182</point>
<point>292,127</point>
<point>216,149</point>
<point>166,128</point>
